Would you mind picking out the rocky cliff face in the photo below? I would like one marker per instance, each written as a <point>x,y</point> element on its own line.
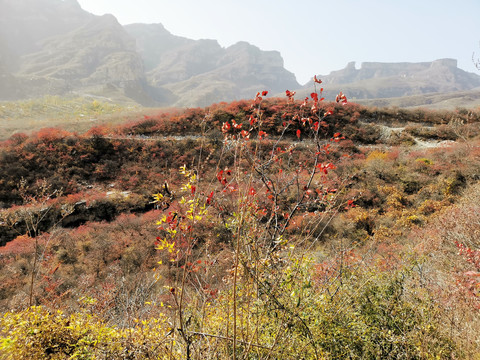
<point>199,72</point>
<point>236,72</point>
<point>25,23</point>
<point>97,55</point>
<point>154,43</point>
<point>54,47</point>
<point>384,80</point>
<point>89,54</point>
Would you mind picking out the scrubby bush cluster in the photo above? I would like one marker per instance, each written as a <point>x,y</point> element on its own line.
<point>257,229</point>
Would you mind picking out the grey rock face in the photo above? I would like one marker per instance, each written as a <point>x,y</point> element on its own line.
<point>55,47</point>
<point>384,80</point>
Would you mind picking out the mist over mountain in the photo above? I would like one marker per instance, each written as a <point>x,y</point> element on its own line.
<point>199,72</point>
<point>55,47</point>
<point>25,23</point>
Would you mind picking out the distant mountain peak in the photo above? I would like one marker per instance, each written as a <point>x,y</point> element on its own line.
<point>387,80</point>
<point>62,48</point>
<point>453,63</point>
<point>55,47</point>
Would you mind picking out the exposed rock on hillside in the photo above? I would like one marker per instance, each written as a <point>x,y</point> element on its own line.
<point>98,54</point>
<point>199,72</point>
<point>385,80</point>
<point>93,53</point>
<point>54,47</point>
<point>25,23</point>
<point>241,70</point>
<point>154,42</point>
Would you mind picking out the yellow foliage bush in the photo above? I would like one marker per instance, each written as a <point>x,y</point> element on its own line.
<point>36,333</point>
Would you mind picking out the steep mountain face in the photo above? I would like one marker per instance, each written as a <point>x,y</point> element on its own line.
<point>154,41</point>
<point>236,72</point>
<point>55,47</point>
<point>9,89</point>
<point>99,52</point>
<point>387,80</point>
<point>199,72</point>
<point>24,23</point>
<point>97,57</point>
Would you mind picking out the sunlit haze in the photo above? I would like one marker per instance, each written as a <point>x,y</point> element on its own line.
<point>316,37</point>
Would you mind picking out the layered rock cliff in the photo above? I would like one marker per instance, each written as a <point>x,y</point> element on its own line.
<point>385,80</point>
<point>55,47</point>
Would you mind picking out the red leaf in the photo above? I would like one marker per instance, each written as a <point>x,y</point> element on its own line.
<point>318,81</point>
<point>290,94</point>
<point>298,133</point>
<point>235,125</point>
<point>225,127</point>
<point>341,98</point>
<point>209,199</point>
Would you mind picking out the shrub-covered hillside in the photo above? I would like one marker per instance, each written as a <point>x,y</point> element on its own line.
<point>263,229</point>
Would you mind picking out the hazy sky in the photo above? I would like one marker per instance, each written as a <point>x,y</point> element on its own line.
<point>318,36</point>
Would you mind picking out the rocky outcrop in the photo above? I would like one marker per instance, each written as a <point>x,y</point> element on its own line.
<point>54,47</point>
<point>234,73</point>
<point>106,209</point>
<point>154,43</point>
<point>83,53</point>
<point>199,72</point>
<point>185,62</point>
<point>97,57</point>
<point>26,23</point>
<point>60,49</point>
<point>385,80</point>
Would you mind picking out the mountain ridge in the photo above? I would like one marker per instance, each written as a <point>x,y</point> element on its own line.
<point>54,47</point>
<point>384,81</point>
